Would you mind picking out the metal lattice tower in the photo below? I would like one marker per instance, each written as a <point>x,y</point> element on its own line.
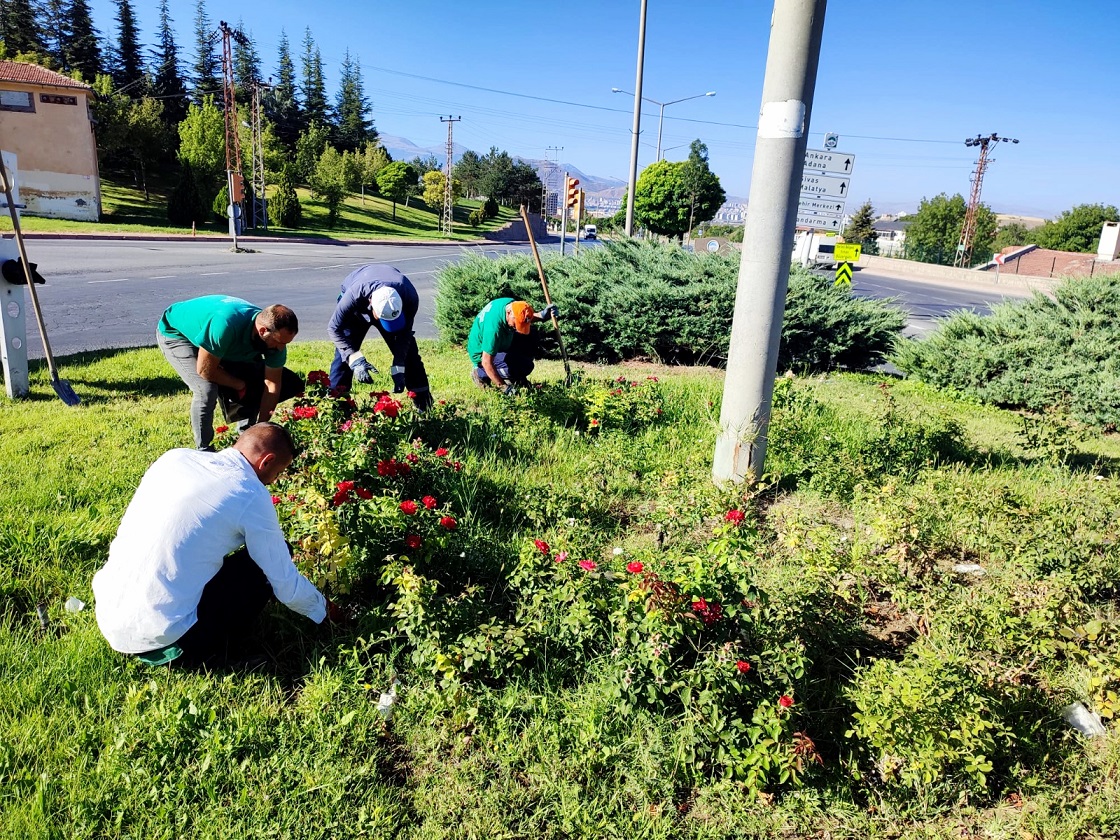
<point>260,204</point>
<point>229,100</point>
<point>549,179</point>
<point>445,222</point>
<point>963,258</point>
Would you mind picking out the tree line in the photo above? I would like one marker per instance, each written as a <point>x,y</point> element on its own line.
<point>934,231</point>
<point>155,112</point>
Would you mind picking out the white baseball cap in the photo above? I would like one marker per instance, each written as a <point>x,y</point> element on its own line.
<point>386,306</point>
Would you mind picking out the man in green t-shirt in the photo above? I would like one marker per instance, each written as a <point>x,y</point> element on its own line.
<point>226,347</point>
<point>500,345</point>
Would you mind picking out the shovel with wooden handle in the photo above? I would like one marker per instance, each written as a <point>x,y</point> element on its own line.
<point>61,386</point>
<point>547,297</point>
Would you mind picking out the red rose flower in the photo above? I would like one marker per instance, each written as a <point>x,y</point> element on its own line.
<point>457,466</point>
<point>221,430</point>
<point>429,502</point>
<point>403,468</point>
<point>542,546</point>
<point>276,500</point>
<point>587,565</point>
<point>441,452</point>
<point>449,523</point>
<point>634,567</point>
<point>785,701</point>
<point>413,458</point>
<point>318,377</point>
<point>363,493</point>
<point>346,486</point>
<point>413,541</point>
<point>386,405</point>
<point>735,516</point>
<point>347,426</point>
<point>305,412</point>
<point>743,666</point>
<point>412,395</point>
<point>408,506</point>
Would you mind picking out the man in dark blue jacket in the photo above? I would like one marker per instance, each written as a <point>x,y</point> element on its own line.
<point>381,296</point>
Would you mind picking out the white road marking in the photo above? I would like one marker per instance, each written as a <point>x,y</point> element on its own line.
<point>164,277</point>
<point>212,273</point>
<point>297,268</point>
<point>325,267</point>
<point>122,280</point>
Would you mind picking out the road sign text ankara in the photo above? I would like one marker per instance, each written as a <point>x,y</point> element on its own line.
<point>819,160</point>
<point>820,185</point>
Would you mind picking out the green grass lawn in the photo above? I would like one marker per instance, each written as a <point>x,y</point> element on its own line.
<point>125,210</point>
<point>853,571</point>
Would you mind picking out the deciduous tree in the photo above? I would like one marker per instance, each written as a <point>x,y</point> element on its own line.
<point>395,181</point>
<point>328,182</point>
<point>1077,229</point>
<point>666,197</point>
<point>310,146</point>
<point>202,143</point>
<point>935,230</point>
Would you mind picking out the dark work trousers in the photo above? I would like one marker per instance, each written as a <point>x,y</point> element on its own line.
<point>246,409</point>
<point>516,363</point>
<point>230,605</point>
<point>356,329</point>
<point>183,357</point>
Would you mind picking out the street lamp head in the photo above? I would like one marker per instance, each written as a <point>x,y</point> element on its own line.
<point>617,90</point>
<point>710,93</point>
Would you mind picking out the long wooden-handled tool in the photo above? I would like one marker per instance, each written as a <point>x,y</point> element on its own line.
<point>61,386</point>
<point>547,297</point>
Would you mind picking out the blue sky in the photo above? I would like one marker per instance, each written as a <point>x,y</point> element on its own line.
<point>903,83</point>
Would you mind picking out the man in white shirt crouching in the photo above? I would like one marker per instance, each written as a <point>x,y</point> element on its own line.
<point>199,553</point>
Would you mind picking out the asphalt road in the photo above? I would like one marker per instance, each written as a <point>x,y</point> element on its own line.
<point>106,293</point>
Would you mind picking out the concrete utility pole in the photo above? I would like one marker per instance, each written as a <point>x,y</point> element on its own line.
<point>796,29</point>
<point>445,225</point>
<point>632,184</point>
<point>963,257</point>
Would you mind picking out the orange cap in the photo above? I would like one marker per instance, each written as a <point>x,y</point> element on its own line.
<point>522,316</point>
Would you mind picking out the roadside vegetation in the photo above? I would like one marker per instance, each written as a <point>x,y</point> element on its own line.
<point>590,638</point>
<point>125,210</point>
<point>1057,356</point>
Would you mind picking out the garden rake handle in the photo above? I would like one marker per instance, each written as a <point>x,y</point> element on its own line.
<point>27,269</point>
<point>547,296</point>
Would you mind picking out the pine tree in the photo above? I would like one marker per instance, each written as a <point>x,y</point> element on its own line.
<point>352,108</point>
<point>313,90</point>
<point>56,31</point>
<point>19,28</point>
<point>861,229</point>
<point>128,66</point>
<point>206,71</point>
<point>167,84</point>
<point>281,107</point>
<point>246,65</point>
<point>83,52</point>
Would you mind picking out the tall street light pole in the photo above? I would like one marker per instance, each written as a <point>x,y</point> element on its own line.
<point>632,183</point>
<point>662,105</point>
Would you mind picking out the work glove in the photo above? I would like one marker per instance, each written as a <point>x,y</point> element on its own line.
<point>363,370</point>
<point>398,380</point>
<point>548,312</point>
<point>335,613</point>
<point>422,401</point>
<point>510,390</point>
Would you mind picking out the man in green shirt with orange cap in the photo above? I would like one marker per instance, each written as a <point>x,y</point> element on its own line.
<point>500,343</point>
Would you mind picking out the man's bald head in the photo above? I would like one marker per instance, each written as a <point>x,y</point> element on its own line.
<point>269,448</point>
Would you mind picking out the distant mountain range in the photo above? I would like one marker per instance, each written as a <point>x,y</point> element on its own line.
<point>404,149</point>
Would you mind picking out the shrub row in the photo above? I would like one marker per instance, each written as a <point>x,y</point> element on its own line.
<point>1038,354</point>
<point>631,299</point>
